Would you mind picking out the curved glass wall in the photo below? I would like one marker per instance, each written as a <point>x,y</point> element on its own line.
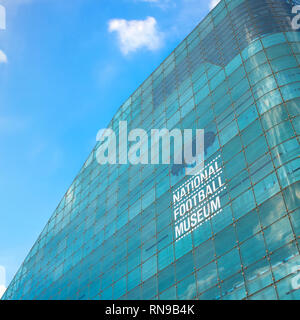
<point>112,236</point>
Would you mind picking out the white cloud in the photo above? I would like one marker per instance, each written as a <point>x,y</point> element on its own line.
<point>213,3</point>
<point>136,34</point>
<point>3,57</point>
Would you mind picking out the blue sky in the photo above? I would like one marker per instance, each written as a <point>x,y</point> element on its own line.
<point>65,68</point>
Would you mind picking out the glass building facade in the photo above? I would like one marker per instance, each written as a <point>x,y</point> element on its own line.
<point>237,75</point>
